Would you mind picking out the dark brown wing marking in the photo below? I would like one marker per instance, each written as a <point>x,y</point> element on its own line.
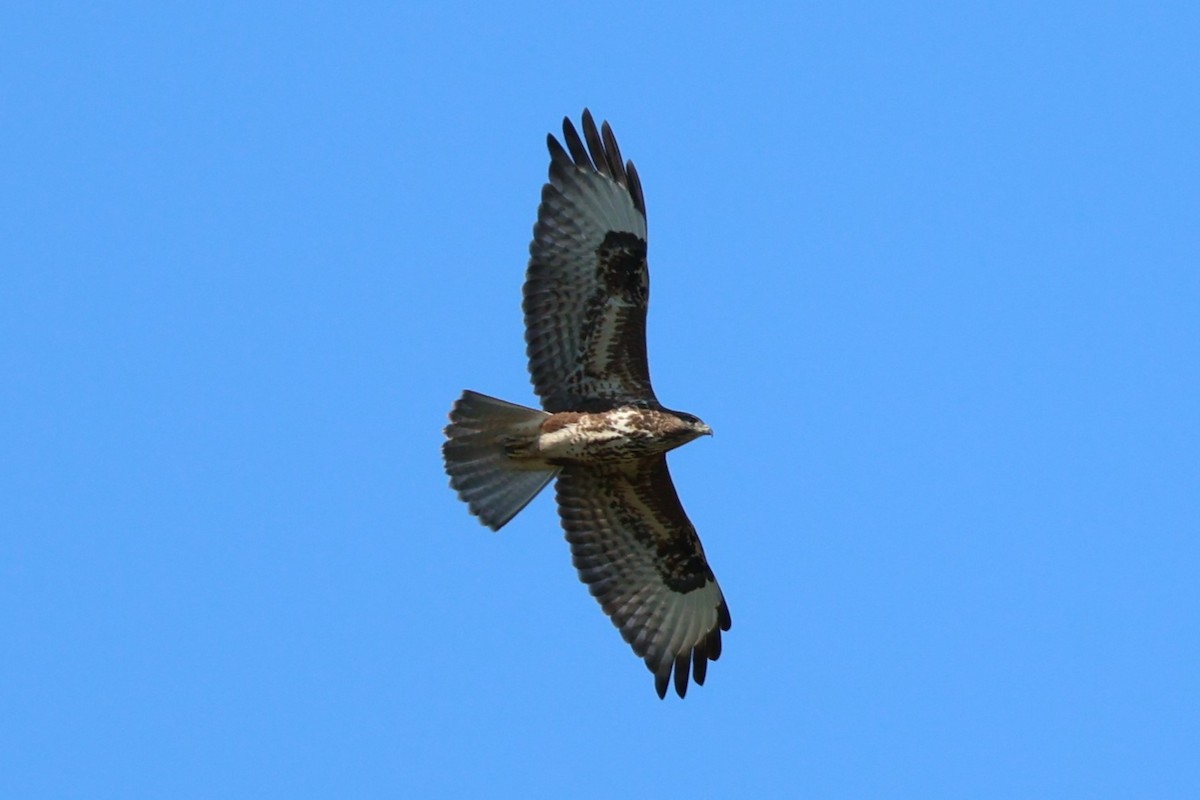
<point>587,286</point>
<point>640,557</point>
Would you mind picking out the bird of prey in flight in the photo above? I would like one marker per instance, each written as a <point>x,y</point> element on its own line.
<point>601,432</point>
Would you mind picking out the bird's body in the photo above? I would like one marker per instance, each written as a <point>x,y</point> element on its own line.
<point>622,434</point>
<point>601,431</point>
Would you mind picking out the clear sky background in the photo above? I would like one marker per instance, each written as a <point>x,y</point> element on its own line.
<point>932,275</point>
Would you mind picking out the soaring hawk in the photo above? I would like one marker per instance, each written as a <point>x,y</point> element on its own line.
<point>602,433</point>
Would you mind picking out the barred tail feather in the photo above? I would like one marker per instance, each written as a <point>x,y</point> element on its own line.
<point>479,440</point>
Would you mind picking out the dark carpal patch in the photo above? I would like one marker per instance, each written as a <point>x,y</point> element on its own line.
<point>682,568</point>
<point>680,561</point>
<point>621,261</point>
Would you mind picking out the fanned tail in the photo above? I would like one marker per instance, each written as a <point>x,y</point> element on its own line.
<point>481,438</point>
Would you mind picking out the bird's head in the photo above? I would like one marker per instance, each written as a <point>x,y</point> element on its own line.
<point>693,426</point>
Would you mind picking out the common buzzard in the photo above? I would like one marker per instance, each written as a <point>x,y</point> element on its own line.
<point>602,433</point>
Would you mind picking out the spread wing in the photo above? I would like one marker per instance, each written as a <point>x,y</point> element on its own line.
<point>587,285</point>
<point>640,557</point>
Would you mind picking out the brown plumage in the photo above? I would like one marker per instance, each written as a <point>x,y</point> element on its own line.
<point>602,433</point>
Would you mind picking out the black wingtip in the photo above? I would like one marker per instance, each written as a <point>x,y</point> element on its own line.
<point>595,146</point>
<point>683,665</point>
<point>712,644</point>
<point>595,149</point>
<point>574,143</point>
<point>557,153</point>
<point>700,666</point>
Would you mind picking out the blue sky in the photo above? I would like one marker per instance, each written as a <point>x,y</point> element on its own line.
<point>930,273</point>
